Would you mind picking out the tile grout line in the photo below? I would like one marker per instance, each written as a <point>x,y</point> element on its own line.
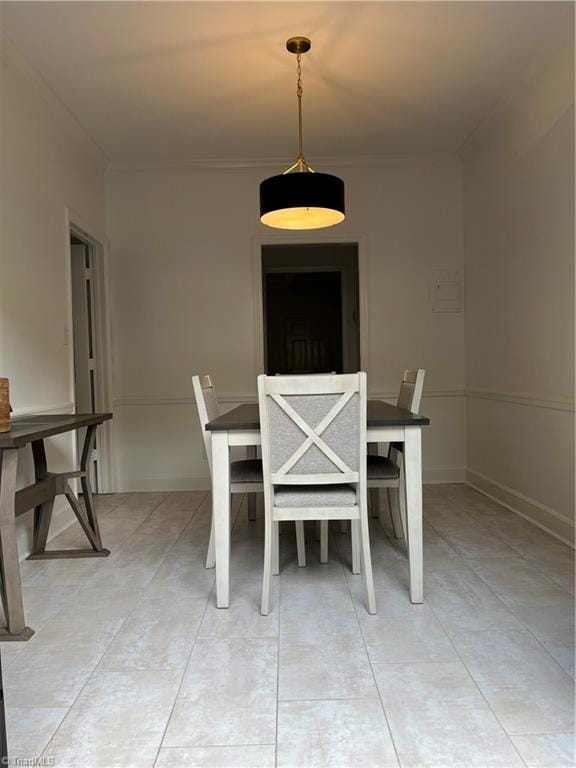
<point>333,698</point>
<point>152,509</point>
<point>383,708</point>
<point>499,598</point>
<point>183,675</point>
<point>493,530</point>
<point>144,589</point>
<point>476,684</point>
<point>134,532</point>
<point>525,629</point>
<point>533,564</point>
<point>490,525</point>
<point>459,657</point>
<point>90,676</point>
<point>194,514</point>
<point>460,562</point>
<point>185,668</point>
<point>540,643</point>
<point>225,746</point>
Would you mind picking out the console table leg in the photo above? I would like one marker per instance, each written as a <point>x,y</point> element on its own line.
<point>9,565</point>
<point>42,520</point>
<point>82,518</point>
<point>87,517</point>
<point>91,514</point>
<point>42,513</point>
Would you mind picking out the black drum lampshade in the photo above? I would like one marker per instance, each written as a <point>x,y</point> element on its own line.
<point>302,200</point>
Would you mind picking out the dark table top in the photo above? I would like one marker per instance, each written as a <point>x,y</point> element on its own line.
<point>26,429</point>
<point>380,414</point>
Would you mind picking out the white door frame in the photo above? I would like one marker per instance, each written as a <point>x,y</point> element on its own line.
<point>310,238</point>
<point>102,337</point>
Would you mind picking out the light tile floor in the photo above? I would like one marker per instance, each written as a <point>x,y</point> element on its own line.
<point>132,664</point>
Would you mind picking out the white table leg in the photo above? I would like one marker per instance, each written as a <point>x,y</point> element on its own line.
<point>323,541</point>
<point>413,475</point>
<point>355,541</point>
<point>251,454</point>
<point>211,553</point>
<point>221,515</point>
<point>275,549</point>
<point>373,449</point>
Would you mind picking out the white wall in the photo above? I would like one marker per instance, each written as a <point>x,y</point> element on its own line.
<point>184,300</point>
<point>519,245</point>
<point>47,165</point>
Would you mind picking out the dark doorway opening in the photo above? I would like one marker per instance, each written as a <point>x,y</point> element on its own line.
<point>311,308</point>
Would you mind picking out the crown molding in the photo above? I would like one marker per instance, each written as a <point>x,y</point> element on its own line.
<point>278,163</point>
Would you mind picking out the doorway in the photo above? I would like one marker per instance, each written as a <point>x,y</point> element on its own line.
<point>88,347</point>
<point>311,308</point>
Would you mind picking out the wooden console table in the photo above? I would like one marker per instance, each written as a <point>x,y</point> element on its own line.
<point>40,496</point>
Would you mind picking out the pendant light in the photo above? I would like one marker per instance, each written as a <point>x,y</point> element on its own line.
<point>300,198</point>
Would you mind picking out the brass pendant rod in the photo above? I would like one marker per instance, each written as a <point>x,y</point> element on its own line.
<point>299,45</point>
<point>299,95</point>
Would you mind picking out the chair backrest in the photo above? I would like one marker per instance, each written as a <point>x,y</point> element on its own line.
<point>207,406</point>
<point>313,429</point>
<point>411,390</point>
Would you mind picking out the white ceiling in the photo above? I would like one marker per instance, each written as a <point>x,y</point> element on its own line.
<point>170,82</point>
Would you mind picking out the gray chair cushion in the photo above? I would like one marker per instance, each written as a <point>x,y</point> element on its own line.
<point>314,496</point>
<point>246,471</point>
<point>382,468</point>
<point>286,436</point>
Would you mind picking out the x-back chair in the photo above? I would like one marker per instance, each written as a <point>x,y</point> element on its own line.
<point>245,475</point>
<point>313,431</point>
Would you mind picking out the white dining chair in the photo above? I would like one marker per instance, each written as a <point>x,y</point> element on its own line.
<point>313,432</point>
<point>386,472</point>
<point>245,475</point>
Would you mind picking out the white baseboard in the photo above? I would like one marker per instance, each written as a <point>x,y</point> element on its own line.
<point>544,517</point>
<point>134,484</point>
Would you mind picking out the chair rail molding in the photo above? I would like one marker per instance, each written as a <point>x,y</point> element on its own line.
<point>233,398</point>
<point>32,410</point>
<point>554,402</point>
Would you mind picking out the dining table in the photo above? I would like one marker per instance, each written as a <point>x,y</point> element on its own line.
<point>386,423</point>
